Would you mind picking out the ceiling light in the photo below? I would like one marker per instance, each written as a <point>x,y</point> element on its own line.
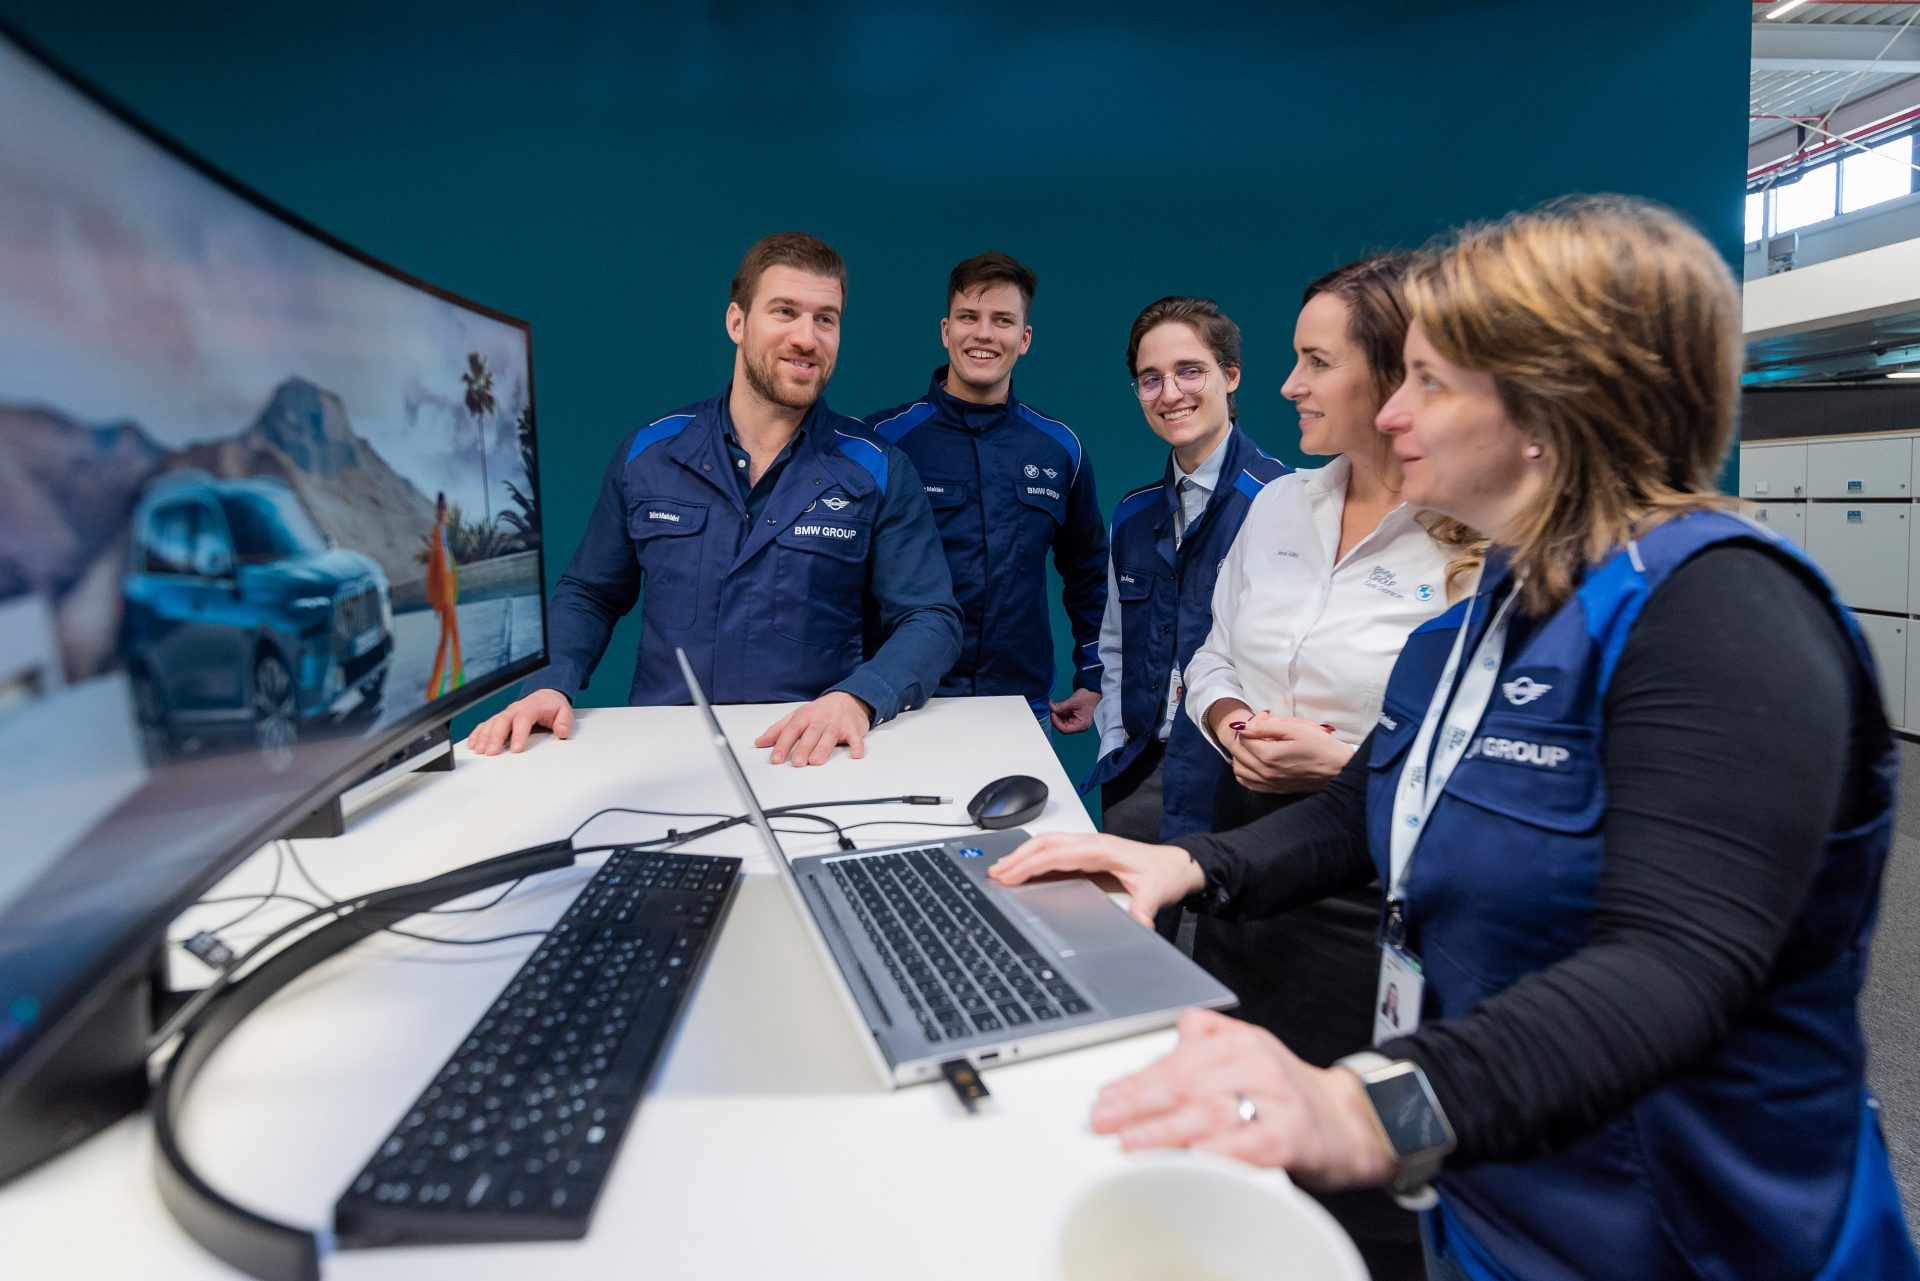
<point>1905,373</point>
<point>1786,8</point>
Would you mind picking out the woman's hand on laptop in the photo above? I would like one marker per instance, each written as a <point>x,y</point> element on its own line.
<point>1154,876</point>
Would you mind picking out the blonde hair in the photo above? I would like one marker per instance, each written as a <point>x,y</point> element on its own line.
<point>1612,331</point>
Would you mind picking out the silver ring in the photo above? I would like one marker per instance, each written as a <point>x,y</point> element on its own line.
<point>1243,1107</point>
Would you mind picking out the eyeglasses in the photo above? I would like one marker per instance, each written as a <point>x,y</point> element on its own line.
<point>1188,380</point>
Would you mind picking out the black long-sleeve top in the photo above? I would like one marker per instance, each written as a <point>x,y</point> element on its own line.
<point>1738,732</point>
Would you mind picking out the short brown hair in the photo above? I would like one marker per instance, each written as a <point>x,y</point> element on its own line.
<point>1204,317</point>
<point>992,268</point>
<point>794,249</point>
<point>1612,331</point>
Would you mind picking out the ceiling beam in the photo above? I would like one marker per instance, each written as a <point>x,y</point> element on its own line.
<point>1815,46</point>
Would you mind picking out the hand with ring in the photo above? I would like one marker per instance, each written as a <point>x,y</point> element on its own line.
<point>1232,1088</point>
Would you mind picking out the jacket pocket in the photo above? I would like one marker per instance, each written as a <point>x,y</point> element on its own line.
<point>666,544</point>
<point>820,589</point>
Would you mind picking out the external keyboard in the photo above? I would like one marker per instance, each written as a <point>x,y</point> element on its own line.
<point>514,1138</point>
<point>962,966</point>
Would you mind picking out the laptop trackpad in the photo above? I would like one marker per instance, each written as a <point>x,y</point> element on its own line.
<point>1076,916</point>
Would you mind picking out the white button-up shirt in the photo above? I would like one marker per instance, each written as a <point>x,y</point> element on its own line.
<point>1298,632</point>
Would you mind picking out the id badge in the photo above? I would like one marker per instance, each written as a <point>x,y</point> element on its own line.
<point>1396,1002</point>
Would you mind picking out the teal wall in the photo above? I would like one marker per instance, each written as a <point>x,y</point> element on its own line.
<point>597,168</point>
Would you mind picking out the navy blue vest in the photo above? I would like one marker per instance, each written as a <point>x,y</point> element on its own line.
<point>1166,610</point>
<point>1763,1160</point>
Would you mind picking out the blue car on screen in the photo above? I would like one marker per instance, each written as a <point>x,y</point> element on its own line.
<point>241,618</point>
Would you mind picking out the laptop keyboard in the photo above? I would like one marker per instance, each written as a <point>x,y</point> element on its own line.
<point>963,967</point>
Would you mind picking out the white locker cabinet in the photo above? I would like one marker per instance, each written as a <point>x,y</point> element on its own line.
<point>1789,520</point>
<point>1773,471</point>
<point>1887,638</point>
<point>1877,468</point>
<point>1863,547</point>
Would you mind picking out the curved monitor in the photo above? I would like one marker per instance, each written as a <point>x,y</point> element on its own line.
<point>267,509</point>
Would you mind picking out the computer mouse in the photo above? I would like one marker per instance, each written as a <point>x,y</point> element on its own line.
<point>1008,802</point>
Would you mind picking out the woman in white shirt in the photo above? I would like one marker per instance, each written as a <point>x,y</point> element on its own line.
<point>1328,575</point>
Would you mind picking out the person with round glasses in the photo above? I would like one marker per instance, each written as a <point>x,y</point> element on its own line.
<point>1156,774</point>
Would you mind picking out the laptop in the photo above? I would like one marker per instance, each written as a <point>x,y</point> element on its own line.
<point>937,963</point>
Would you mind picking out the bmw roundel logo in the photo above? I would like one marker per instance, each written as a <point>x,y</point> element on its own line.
<point>1033,473</point>
<point>1424,591</point>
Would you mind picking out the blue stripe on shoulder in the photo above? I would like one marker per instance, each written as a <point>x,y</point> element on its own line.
<point>903,422</point>
<point>871,457</point>
<point>1249,484</point>
<point>655,432</point>
<point>1610,600</point>
<point>1133,504</point>
<point>1060,432</point>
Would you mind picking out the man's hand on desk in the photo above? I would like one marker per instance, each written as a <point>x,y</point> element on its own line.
<point>808,734</point>
<point>542,709</point>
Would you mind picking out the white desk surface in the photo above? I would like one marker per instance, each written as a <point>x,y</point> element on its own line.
<point>767,1146</point>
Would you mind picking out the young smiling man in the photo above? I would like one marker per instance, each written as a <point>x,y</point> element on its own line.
<point>1007,485</point>
<point>768,532</point>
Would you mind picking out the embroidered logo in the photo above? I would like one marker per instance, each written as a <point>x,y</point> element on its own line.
<point>1381,579</point>
<point>655,514</point>
<point>1523,690</point>
<point>835,504</point>
<point>1051,473</point>
<point>1387,722</point>
<point>1043,491</point>
<point>1424,591</point>
<point>1032,472</point>
<point>1519,751</point>
<point>825,531</point>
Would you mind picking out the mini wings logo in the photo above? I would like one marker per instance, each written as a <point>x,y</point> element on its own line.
<point>1032,472</point>
<point>1523,690</point>
<point>1051,473</point>
<point>835,504</point>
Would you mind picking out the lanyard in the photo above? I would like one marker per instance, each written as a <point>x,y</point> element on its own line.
<point>1420,785</point>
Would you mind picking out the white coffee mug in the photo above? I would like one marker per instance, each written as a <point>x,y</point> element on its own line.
<point>1193,1216</point>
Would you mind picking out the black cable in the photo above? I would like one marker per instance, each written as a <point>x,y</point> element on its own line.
<point>622,809</point>
<point>279,866</point>
<point>905,822</point>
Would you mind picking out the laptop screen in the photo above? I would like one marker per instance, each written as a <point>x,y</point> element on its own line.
<point>735,774</point>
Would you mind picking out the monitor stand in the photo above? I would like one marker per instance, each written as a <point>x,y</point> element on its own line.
<point>90,1077</point>
<point>430,751</point>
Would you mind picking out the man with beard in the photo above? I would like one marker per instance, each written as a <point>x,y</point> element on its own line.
<point>1007,485</point>
<point>769,532</point>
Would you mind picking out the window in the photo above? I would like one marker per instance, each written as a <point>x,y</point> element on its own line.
<point>1756,215</point>
<point>1807,199</point>
<point>1870,177</point>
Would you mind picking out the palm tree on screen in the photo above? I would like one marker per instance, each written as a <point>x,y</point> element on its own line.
<point>479,383</point>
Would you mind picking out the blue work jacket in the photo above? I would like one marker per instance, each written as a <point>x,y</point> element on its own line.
<point>1764,1159</point>
<point>1165,599</point>
<point>771,612</point>
<point>1007,485</point>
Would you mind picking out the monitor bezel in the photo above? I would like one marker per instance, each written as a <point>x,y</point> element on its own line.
<point>107,977</point>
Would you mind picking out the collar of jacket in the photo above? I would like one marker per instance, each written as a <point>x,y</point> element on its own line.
<point>965,414</point>
<point>704,451</point>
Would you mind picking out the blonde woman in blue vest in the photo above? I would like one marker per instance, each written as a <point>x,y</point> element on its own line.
<point>1630,802</point>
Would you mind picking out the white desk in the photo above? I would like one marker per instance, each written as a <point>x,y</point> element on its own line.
<point>767,1146</point>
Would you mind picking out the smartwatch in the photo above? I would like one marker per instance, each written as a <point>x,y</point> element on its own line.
<point>1411,1120</point>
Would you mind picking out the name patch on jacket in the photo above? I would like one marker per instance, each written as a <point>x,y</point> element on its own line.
<point>654,513</point>
<point>1519,751</point>
<point>837,532</point>
<point>1043,492</point>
